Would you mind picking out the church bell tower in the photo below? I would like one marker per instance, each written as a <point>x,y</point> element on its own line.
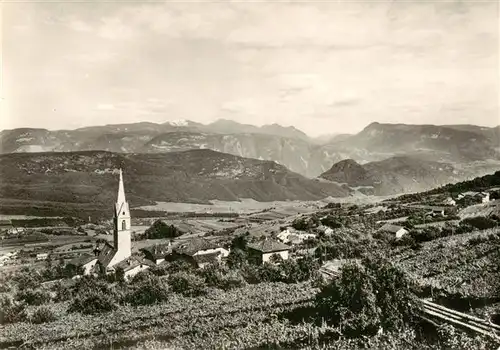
<point>121,226</point>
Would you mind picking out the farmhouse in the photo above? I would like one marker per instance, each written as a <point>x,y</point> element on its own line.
<point>261,252</point>
<point>436,211</point>
<point>479,197</point>
<point>397,231</point>
<point>200,252</point>
<point>132,266</point>
<point>449,201</point>
<point>157,252</point>
<point>42,256</point>
<point>293,236</point>
<point>86,261</point>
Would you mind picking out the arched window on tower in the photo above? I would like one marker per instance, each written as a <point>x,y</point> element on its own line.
<point>124,225</point>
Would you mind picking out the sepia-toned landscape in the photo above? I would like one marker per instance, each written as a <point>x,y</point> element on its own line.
<point>211,175</point>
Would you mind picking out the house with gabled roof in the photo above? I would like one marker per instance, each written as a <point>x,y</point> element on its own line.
<point>157,252</point>
<point>200,252</point>
<point>262,251</point>
<point>133,265</point>
<point>86,262</point>
<point>396,230</point>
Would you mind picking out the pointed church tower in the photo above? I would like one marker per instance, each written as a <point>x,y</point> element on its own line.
<point>121,226</point>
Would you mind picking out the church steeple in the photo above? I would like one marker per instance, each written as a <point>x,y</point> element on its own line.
<point>121,223</point>
<point>121,190</point>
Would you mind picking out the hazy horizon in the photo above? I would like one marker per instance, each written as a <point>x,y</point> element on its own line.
<point>321,67</point>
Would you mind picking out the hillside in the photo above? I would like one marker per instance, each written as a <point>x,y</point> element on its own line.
<point>430,142</point>
<point>196,176</point>
<point>455,144</point>
<point>393,175</point>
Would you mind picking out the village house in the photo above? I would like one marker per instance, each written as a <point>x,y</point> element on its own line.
<point>290,235</point>
<point>157,253</point>
<point>436,211</point>
<point>450,201</point>
<point>132,266</point>
<point>478,197</point>
<point>200,252</point>
<point>261,252</point>
<point>86,262</point>
<point>42,256</point>
<point>396,230</point>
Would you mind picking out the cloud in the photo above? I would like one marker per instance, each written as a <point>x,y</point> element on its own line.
<point>105,107</point>
<point>345,103</point>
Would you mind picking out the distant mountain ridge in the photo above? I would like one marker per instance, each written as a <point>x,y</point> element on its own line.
<point>393,175</point>
<point>455,144</point>
<point>195,176</point>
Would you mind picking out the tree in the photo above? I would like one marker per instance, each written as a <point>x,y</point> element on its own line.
<point>160,229</point>
<point>368,297</point>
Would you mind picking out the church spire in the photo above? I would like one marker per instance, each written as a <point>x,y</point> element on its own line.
<point>121,191</point>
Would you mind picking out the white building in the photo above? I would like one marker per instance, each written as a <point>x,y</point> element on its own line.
<point>294,237</point>
<point>397,231</point>
<point>262,251</point>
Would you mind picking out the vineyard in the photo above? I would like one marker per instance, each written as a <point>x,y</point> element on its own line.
<point>211,320</point>
<point>467,264</point>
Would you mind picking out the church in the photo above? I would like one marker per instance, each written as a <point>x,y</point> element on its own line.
<point>109,257</point>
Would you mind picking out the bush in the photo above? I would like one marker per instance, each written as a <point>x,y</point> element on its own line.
<point>93,303</point>
<point>367,298</point>
<point>43,315</point>
<point>480,222</point>
<point>305,223</point>
<point>187,284</point>
<point>33,297</point>
<point>11,311</point>
<point>146,290</point>
<point>331,222</point>
<point>93,296</point>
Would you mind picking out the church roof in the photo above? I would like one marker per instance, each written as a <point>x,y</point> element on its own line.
<point>106,254</point>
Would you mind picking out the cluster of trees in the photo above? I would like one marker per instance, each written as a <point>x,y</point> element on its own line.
<point>160,229</point>
<point>368,297</point>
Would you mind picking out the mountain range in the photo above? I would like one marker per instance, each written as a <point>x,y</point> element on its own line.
<point>89,179</point>
<point>394,175</point>
<point>288,146</point>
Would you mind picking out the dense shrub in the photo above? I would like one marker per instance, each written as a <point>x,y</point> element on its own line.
<point>305,223</point>
<point>93,303</point>
<point>146,288</point>
<point>93,296</point>
<point>33,296</point>
<point>160,229</point>
<point>187,284</point>
<point>331,221</point>
<point>11,311</point>
<point>27,279</point>
<point>367,298</point>
<point>43,314</point>
<point>480,222</point>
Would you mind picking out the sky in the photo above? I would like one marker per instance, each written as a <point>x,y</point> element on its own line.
<point>323,67</point>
